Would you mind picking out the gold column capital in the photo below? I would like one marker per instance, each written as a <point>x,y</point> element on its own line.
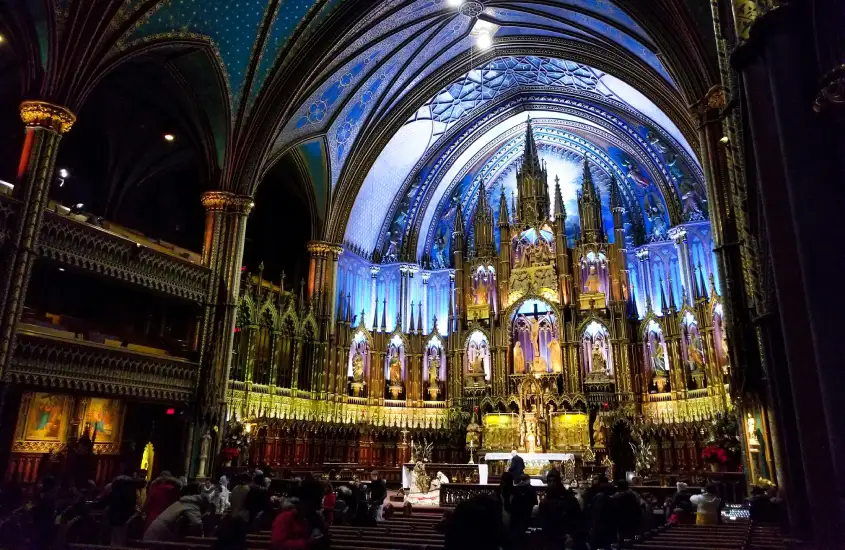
<point>218,201</point>
<point>40,114</point>
<point>714,99</point>
<point>323,248</point>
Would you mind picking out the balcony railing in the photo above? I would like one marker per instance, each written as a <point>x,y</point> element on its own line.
<point>57,363</point>
<point>116,253</point>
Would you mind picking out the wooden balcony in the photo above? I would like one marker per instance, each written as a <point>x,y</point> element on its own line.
<point>115,252</point>
<point>56,363</point>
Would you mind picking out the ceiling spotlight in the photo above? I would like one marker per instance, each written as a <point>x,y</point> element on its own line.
<point>169,137</point>
<point>79,205</point>
<point>484,40</point>
<point>454,3</point>
<point>3,38</point>
<point>724,139</point>
<point>61,269</point>
<point>63,173</point>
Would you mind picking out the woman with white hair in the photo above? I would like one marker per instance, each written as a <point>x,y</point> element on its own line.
<point>221,500</point>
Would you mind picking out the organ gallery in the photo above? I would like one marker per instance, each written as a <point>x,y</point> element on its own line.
<point>413,236</point>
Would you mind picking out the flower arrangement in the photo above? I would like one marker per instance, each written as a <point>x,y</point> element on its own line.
<point>230,454</point>
<point>714,454</point>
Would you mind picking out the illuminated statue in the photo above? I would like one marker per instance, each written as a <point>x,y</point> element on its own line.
<point>696,354</point>
<point>476,366</point>
<point>599,362</point>
<point>518,359</point>
<point>554,352</point>
<point>751,429</point>
<point>593,285</point>
<point>395,369</point>
<point>726,358</point>
<point>598,434</point>
<point>481,292</point>
<point>535,337</point>
<point>658,359</point>
<point>433,369</point>
<point>358,368</point>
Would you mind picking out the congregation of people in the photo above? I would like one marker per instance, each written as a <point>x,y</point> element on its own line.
<point>298,512</point>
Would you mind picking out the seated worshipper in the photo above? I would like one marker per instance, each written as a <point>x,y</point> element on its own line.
<point>221,501</point>
<point>238,495</point>
<point>291,528</point>
<point>257,499</point>
<point>181,519</point>
<point>517,467</point>
<point>231,534</point>
<point>522,506</point>
<point>626,509</point>
<point>708,505</point>
<point>477,524</point>
<point>164,491</point>
<point>680,509</point>
<point>121,498</point>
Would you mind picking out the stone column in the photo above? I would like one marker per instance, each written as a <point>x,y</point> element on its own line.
<point>374,271</point>
<point>45,125</point>
<point>645,276</point>
<point>222,253</point>
<point>425,328</point>
<point>679,237</point>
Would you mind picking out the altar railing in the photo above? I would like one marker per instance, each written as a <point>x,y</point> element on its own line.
<point>452,494</point>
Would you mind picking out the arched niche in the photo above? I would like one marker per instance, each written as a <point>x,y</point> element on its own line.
<point>358,364</point>
<point>535,339</point>
<point>483,286</point>
<point>656,357</point>
<point>596,350</point>
<point>478,355</point>
<point>434,368</point>
<point>720,338</point>
<point>693,350</point>
<point>533,248</point>
<point>394,367</point>
<point>594,274</point>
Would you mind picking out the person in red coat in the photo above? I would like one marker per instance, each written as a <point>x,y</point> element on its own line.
<point>290,528</point>
<point>163,491</point>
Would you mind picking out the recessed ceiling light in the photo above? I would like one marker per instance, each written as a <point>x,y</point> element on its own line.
<point>169,137</point>
<point>455,3</point>
<point>484,40</point>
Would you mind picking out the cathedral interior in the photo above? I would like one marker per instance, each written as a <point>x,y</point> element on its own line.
<point>312,234</point>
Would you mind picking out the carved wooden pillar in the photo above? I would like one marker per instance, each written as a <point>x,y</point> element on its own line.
<point>45,124</point>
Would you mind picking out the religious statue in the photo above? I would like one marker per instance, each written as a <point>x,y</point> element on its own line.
<point>690,198</point>
<point>726,358</point>
<point>554,352</point>
<point>751,429</point>
<point>518,359</point>
<point>598,433</point>
<point>658,359</point>
<point>476,365</point>
<point>599,362</point>
<point>695,352</point>
<point>593,286</point>
<point>395,369</point>
<point>535,337</point>
<point>433,369</point>
<point>481,292</point>
<point>358,368</point>
<point>205,445</point>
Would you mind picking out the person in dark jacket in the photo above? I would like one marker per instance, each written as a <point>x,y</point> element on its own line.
<point>517,467</point>
<point>378,492</point>
<point>522,505</point>
<point>257,499</point>
<point>626,509</point>
<point>180,519</point>
<point>599,511</point>
<point>121,498</point>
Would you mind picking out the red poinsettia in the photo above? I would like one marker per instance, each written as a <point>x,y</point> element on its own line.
<point>230,453</point>
<point>714,454</point>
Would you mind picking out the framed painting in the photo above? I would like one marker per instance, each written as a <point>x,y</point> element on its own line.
<point>47,417</point>
<point>105,418</point>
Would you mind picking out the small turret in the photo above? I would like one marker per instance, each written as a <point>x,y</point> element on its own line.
<point>532,183</point>
<point>589,208</point>
<point>375,317</point>
<point>384,314</point>
<point>484,244</point>
<point>413,327</point>
<point>560,210</point>
<point>503,210</point>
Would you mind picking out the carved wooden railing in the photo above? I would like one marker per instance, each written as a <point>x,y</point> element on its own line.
<point>67,364</point>
<point>91,248</point>
<point>452,494</point>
